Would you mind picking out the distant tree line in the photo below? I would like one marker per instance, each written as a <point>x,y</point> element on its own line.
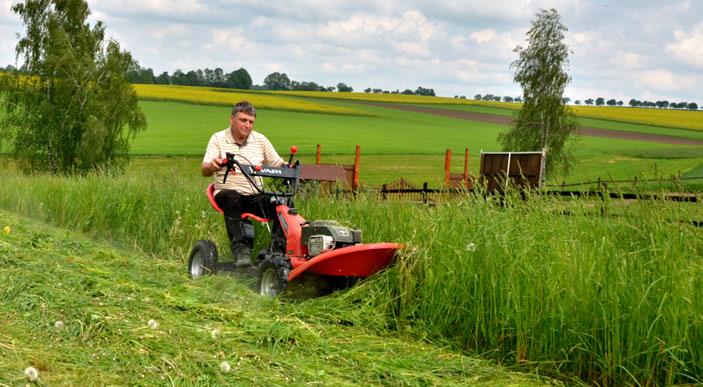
<point>419,91</point>
<point>237,79</point>
<point>663,104</point>
<point>600,101</point>
<point>281,81</point>
<point>497,98</point>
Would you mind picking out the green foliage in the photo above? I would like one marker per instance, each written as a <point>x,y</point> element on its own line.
<point>277,81</point>
<point>605,290</point>
<point>239,79</point>
<point>543,122</point>
<point>68,111</point>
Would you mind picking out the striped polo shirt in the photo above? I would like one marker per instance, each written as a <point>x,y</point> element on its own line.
<point>256,150</point>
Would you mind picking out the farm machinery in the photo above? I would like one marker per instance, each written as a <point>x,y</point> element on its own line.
<point>299,248</point>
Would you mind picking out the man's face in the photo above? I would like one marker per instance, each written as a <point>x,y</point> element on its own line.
<point>241,125</point>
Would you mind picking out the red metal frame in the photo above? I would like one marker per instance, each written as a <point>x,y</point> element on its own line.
<point>361,260</point>
<point>210,192</point>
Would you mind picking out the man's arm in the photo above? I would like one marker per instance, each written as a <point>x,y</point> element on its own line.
<point>212,161</point>
<point>271,157</point>
<point>212,166</point>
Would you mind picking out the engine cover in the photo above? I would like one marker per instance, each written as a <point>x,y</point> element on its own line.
<point>339,233</point>
<point>318,244</point>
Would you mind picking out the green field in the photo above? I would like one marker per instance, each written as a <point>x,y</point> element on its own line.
<point>396,143</point>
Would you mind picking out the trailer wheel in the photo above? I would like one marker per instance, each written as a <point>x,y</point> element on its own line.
<point>273,277</point>
<point>202,259</point>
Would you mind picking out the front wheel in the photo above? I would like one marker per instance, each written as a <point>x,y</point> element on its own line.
<point>202,259</point>
<point>273,277</point>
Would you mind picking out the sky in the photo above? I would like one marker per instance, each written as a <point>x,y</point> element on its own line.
<point>622,49</point>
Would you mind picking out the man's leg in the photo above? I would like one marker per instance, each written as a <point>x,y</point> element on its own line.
<point>233,204</point>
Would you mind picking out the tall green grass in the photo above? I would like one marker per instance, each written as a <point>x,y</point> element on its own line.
<point>79,312</point>
<point>604,291</point>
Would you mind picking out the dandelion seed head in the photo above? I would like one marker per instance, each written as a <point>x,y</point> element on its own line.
<point>31,373</point>
<point>153,324</point>
<point>58,325</point>
<point>215,333</point>
<point>471,247</point>
<point>225,367</point>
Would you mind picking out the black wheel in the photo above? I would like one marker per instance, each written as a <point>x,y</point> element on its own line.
<point>273,275</point>
<point>203,259</point>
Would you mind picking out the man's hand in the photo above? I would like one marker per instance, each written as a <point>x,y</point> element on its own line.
<point>213,166</point>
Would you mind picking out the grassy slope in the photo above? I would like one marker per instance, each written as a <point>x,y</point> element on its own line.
<point>395,143</point>
<point>591,122</point>
<point>105,298</point>
<point>665,117</point>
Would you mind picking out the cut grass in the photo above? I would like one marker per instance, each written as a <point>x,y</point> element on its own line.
<point>105,298</point>
<point>517,281</point>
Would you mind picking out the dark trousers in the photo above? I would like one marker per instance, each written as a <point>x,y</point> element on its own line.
<point>235,204</point>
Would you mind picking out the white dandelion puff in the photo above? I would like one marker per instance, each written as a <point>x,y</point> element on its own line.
<point>225,367</point>
<point>215,333</point>
<point>153,324</point>
<point>471,247</point>
<point>31,373</point>
<point>58,325</point>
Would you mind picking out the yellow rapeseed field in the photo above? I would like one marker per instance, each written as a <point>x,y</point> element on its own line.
<point>686,119</point>
<point>227,97</point>
<point>396,98</point>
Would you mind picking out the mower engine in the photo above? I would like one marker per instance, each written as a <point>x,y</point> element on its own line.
<point>324,235</point>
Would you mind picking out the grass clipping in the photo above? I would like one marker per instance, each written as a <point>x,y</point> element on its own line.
<point>75,311</point>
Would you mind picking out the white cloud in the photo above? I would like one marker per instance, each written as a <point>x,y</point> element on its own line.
<point>483,36</point>
<point>688,47</point>
<point>135,8</point>
<point>455,46</point>
<point>229,39</point>
<point>627,60</point>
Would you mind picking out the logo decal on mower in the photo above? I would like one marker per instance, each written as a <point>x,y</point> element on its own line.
<point>274,171</point>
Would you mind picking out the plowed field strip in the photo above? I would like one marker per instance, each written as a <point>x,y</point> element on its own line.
<point>586,131</point>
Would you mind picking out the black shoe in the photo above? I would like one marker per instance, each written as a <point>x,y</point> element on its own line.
<point>242,255</point>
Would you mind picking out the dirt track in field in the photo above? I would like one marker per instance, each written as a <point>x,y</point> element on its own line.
<point>593,132</point>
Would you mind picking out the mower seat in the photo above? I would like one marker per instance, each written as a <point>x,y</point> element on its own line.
<point>210,192</point>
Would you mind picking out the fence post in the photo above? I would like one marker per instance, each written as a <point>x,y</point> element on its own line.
<point>447,167</point>
<point>424,192</point>
<point>355,176</point>
<point>384,192</point>
<point>317,155</point>
<point>465,177</point>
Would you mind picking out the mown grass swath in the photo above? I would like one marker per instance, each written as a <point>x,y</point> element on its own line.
<point>82,312</point>
<point>599,290</point>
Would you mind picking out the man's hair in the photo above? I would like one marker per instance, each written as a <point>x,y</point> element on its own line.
<point>244,107</point>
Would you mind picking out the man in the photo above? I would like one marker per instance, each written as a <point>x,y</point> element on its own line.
<point>237,196</point>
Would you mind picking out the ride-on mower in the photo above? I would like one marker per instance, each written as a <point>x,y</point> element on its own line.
<point>320,247</point>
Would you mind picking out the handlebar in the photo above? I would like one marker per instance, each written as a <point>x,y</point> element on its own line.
<point>289,174</point>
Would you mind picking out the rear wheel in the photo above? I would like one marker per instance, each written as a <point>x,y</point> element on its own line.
<point>273,277</point>
<point>203,259</point>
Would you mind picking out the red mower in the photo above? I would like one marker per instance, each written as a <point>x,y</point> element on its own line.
<point>320,247</point>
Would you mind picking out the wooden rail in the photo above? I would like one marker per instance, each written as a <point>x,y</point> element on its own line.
<point>347,175</point>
